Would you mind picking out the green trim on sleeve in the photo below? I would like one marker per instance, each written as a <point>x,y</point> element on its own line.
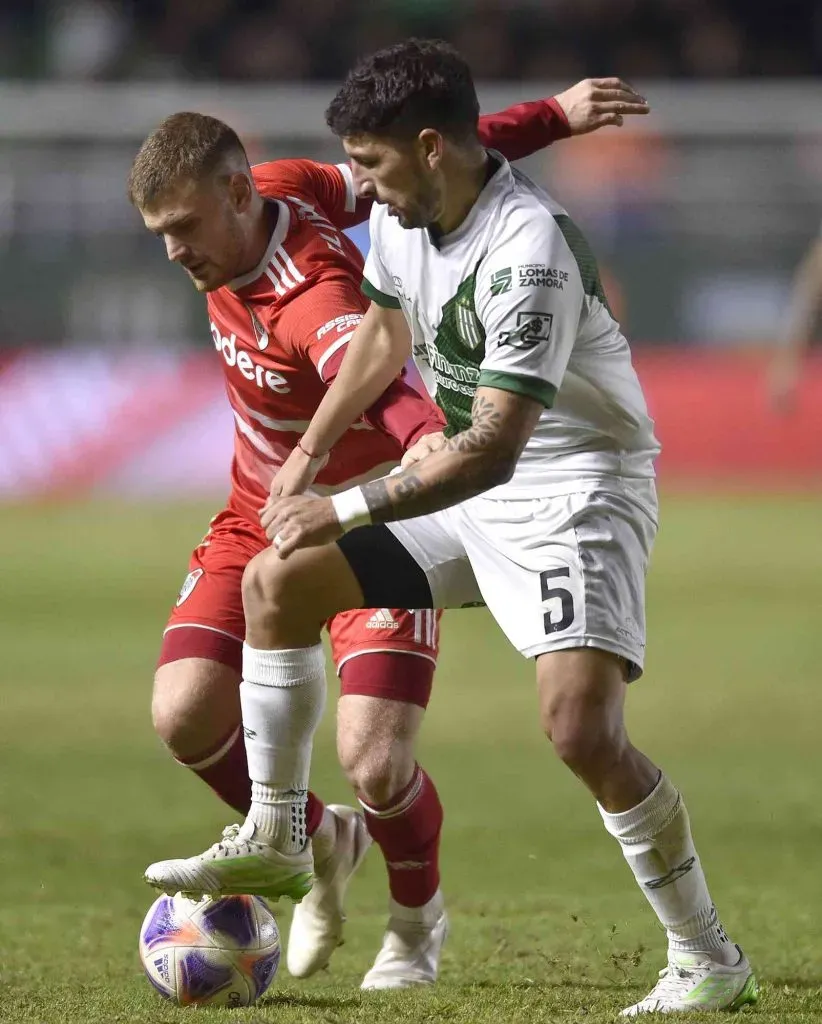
<point>531,387</point>
<point>386,301</point>
<point>586,262</point>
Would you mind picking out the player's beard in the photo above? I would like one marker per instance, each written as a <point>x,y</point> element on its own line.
<point>425,208</point>
<point>230,261</point>
<point>236,250</point>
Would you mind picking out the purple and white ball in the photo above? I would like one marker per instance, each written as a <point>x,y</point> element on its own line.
<point>216,952</point>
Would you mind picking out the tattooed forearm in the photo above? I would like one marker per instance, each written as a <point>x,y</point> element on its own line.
<point>378,501</point>
<point>471,462</point>
<point>405,496</point>
<point>486,421</point>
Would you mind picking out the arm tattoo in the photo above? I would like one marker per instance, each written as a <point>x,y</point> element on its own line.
<point>485,423</point>
<point>420,490</point>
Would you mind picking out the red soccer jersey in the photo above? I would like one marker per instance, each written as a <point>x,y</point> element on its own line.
<point>282,327</point>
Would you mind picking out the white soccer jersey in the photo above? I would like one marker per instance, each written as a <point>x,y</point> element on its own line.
<point>512,299</point>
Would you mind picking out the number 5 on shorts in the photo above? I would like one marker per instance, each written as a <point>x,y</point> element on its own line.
<point>554,624</point>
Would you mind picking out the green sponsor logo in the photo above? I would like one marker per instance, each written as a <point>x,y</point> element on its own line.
<point>459,377</point>
<point>501,281</point>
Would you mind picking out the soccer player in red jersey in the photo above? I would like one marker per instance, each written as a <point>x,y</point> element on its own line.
<point>283,298</point>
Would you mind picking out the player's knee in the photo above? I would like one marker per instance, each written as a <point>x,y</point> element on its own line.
<point>588,751</point>
<point>582,693</point>
<point>172,712</point>
<point>585,735</point>
<point>376,771</point>
<point>262,587</point>
<point>280,593</point>
<point>194,703</point>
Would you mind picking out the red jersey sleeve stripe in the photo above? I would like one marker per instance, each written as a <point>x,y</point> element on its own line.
<point>350,194</point>
<point>331,351</point>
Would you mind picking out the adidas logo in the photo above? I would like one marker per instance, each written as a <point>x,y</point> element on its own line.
<point>382,619</point>
<point>161,966</point>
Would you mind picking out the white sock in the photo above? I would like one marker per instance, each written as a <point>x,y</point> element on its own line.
<point>283,698</point>
<point>655,837</point>
<point>426,915</point>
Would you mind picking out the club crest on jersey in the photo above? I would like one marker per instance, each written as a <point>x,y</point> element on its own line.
<point>189,584</point>
<point>468,326</point>
<point>260,333</point>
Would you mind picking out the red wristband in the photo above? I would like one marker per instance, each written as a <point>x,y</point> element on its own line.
<point>305,451</point>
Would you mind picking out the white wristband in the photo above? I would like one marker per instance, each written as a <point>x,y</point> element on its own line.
<point>351,508</point>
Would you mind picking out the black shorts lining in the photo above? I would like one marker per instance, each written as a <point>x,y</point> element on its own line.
<point>387,573</point>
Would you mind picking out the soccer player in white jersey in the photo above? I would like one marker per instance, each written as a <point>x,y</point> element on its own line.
<point>540,502</point>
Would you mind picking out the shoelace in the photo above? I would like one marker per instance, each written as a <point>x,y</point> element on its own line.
<point>228,842</point>
<point>675,981</point>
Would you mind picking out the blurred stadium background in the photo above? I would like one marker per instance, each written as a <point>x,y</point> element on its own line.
<point>699,215</point>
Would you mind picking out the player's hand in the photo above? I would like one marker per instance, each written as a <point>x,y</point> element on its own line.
<point>783,382</point>
<point>300,522</point>
<point>427,444</point>
<point>596,102</point>
<point>296,474</point>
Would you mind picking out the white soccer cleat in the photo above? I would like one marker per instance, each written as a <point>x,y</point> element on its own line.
<point>242,862</point>
<point>317,924</point>
<point>411,946</point>
<point>692,982</point>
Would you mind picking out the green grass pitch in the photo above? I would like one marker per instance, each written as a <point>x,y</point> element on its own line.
<point>547,924</point>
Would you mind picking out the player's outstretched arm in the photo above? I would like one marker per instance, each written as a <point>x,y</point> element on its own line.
<point>598,102</point>
<point>470,462</point>
<point>593,103</point>
<point>517,132</point>
<point>803,308</point>
<point>524,128</point>
<point>374,358</point>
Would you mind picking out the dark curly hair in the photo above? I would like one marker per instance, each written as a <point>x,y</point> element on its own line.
<point>398,91</point>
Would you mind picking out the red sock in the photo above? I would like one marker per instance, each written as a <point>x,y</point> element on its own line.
<point>225,770</point>
<point>313,813</point>
<point>408,832</point>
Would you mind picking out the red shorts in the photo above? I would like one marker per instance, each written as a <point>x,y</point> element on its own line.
<point>207,620</point>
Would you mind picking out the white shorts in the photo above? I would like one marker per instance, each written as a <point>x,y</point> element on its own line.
<point>556,572</point>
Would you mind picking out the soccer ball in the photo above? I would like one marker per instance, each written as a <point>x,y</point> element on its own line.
<point>217,952</point>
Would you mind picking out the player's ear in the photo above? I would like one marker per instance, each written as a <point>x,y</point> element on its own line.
<point>430,144</point>
<point>241,191</point>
